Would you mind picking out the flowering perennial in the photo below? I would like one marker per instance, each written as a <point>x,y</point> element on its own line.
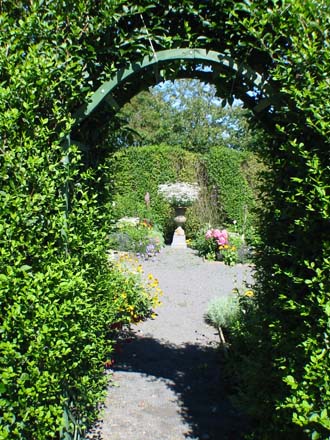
<point>179,193</point>
<point>221,237</point>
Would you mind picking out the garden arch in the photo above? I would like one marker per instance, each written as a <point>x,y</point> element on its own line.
<point>229,76</point>
<point>260,93</point>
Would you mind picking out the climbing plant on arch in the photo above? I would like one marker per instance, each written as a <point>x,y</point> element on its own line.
<point>54,56</point>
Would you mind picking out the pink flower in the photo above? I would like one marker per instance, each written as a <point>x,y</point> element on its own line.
<point>221,241</point>
<point>208,234</point>
<point>216,233</point>
<point>221,237</point>
<point>224,234</point>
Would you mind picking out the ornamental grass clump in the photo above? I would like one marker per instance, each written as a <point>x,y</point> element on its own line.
<point>179,193</point>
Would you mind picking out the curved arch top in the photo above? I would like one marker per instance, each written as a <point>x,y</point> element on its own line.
<point>104,92</point>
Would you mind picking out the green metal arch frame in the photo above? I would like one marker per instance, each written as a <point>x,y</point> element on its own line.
<point>104,92</point>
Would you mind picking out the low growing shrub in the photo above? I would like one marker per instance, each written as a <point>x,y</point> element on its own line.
<point>221,313</point>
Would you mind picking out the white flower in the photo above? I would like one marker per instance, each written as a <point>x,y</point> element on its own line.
<point>179,193</point>
<point>128,221</point>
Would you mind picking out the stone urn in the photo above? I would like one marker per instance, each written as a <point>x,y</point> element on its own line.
<point>180,217</point>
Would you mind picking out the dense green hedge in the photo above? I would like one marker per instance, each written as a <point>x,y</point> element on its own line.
<point>293,262</point>
<point>137,170</point>
<point>235,196</point>
<point>56,288</point>
<point>58,295</point>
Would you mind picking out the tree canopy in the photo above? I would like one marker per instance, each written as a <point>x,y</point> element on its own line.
<point>188,114</point>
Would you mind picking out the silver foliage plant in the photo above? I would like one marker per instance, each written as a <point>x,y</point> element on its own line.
<point>221,313</point>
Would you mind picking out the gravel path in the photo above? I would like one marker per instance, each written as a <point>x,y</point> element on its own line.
<point>166,382</point>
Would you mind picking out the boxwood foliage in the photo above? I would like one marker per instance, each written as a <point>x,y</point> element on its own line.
<point>52,56</point>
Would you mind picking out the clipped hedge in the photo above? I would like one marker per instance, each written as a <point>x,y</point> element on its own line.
<point>283,355</point>
<point>137,170</point>
<point>59,295</point>
<point>235,196</point>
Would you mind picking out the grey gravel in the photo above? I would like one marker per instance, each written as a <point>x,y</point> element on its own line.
<point>166,383</point>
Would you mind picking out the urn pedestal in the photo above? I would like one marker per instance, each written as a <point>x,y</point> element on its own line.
<point>179,236</point>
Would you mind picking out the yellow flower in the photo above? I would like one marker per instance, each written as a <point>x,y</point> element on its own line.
<point>249,293</point>
<point>150,276</point>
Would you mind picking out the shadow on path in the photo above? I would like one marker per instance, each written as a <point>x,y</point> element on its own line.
<point>193,373</point>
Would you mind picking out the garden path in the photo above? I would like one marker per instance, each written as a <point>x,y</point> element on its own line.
<point>166,381</point>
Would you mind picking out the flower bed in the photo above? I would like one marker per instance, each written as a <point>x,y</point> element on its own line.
<point>133,235</point>
<point>216,244</point>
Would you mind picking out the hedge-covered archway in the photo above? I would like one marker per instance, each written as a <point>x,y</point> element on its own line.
<point>208,65</point>
<point>54,55</point>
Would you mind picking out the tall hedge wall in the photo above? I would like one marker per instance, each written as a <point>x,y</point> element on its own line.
<point>134,171</point>
<point>53,297</point>
<point>236,197</point>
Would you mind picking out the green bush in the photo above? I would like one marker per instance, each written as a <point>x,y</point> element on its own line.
<point>222,312</point>
<point>48,362</point>
<point>235,196</point>
<point>57,306</point>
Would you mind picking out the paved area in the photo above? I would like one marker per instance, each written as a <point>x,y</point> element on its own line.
<point>166,383</point>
